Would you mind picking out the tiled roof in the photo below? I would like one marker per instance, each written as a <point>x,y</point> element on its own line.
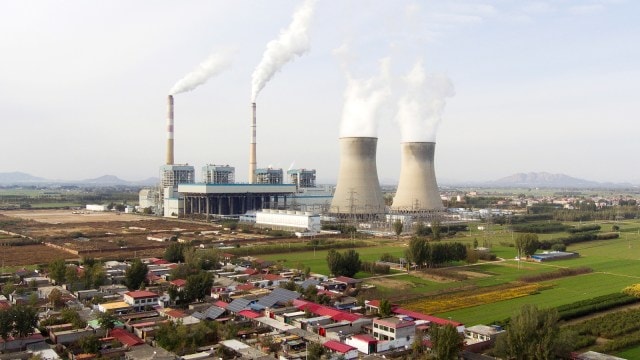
<point>249,314</point>
<point>338,346</point>
<point>126,337</point>
<point>322,310</point>
<point>138,294</point>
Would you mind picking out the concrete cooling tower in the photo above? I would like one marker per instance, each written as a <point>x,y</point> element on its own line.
<point>417,187</point>
<point>358,189</point>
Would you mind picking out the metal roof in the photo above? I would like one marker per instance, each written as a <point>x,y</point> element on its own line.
<point>278,295</point>
<point>238,305</point>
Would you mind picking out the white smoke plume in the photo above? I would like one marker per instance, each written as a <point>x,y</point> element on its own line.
<point>363,102</point>
<point>214,65</point>
<point>293,41</point>
<point>420,109</point>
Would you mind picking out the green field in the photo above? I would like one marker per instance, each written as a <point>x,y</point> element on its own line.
<point>633,353</point>
<point>616,264</point>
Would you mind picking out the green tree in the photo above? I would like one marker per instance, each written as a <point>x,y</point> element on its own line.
<point>25,319</point>
<point>166,337</point>
<point>71,316</point>
<point>385,308</point>
<point>89,344</point>
<point>55,298</point>
<point>436,229</point>
<point>198,286</point>
<point>6,324</point>
<point>314,350</point>
<point>71,276</point>
<point>334,261</point>
<point>174,252</point>
<point>57,270</point>
<point>417,252</point>
<point>107,321</point>
<point>446,341</point>
<point>397,228</point>
<point>136,274</point>
<point>531,334</point>
<point>351,263</point>
<point>527,244</point>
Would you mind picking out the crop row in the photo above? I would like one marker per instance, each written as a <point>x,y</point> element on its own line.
<point>457,301</point>
<point>594,305</point>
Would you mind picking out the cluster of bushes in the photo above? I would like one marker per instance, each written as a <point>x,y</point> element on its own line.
<point>343,228</point>
<point>539,228</point>
<point>386,257</point>
<point>612,213</point>
<point>584,228</point>
<point>590,306</point>
<point>375,268</point>
<point>623,328</point>
<point>560,273</point>
<point>486,256</point>
<point>576,238</point>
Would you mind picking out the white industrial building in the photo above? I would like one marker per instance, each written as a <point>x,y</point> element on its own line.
<point>96,207</point>
<point>288,220</point>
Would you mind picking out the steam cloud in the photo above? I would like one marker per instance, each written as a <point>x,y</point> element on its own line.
<point>214,65</point>
<point>363,100</point>
<point>420,109</point>
<point>293,41</point>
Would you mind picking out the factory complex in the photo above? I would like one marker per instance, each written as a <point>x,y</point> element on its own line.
<point>293,200</point>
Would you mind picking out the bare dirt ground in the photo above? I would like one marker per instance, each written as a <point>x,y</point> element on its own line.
<point>67,216</point>
<point>391,283</point>
<point>431,277</point>
<point>31,254</point>
<point>473,274</point>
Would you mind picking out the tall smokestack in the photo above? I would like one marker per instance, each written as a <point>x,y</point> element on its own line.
<point>417,187</point>
<point>358,190</point>
<point>170,130</point>
<point>252,146</point>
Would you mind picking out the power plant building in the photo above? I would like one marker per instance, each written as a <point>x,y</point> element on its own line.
<point>269,176</point>
<point>173,175</point>
<point>233,199</point>
<point>417,186</point>
<point>358,190</point>
<point>218,174</point>
<point>302,178</point>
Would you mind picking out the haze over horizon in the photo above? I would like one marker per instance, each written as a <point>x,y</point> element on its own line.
<point>539,85</point>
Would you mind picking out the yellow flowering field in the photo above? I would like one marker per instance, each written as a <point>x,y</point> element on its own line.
<point>449,302</point>
<point>632,290</point>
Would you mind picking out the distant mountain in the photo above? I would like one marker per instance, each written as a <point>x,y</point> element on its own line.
<point>544,179</point>
<point>105,180</point>
<point>18,177</point>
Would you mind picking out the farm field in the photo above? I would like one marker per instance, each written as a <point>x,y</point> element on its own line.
<point>31,254</point>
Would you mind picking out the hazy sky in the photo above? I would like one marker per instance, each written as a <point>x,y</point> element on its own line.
<point>539,85</point>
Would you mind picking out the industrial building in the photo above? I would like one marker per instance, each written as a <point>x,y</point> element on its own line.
<point>269,176</point>
<point>218,174</point>
<point>233,199</point>
<point>302,178</point>
<point>288,220</point>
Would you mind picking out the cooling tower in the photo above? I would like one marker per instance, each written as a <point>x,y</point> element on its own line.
<point>417,187</point>
<point>358,190</point>
<point>252,146</point>
<point>170,130</point>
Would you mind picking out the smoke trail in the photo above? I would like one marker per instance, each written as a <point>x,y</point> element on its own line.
<point>292,41</point>
<point>214,65</point>
<point>420,109</point>
<point>363,100</point>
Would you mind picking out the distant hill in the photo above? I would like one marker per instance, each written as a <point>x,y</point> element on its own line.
<point>545,179</point>
<point>19,178</point>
